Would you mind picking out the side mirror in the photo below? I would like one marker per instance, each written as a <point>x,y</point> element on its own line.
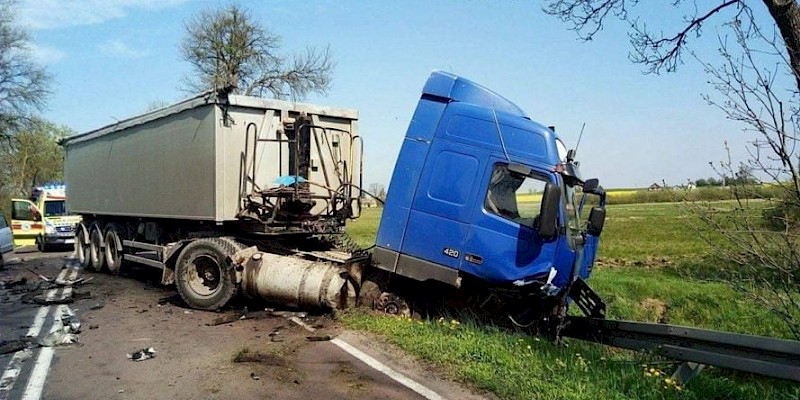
<point>591,185</point>
<point>548,215</point>
<point>597,218</point>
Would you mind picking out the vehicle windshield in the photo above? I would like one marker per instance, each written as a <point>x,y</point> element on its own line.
<point>571,205</point>
<point>55,208</point>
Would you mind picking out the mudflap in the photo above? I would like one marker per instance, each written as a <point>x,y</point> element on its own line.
<point>587,299</point>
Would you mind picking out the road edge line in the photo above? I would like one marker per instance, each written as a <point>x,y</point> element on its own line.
<point>415,386</point>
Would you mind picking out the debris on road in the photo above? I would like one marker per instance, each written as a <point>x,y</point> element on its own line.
<point>143,354</point>
<point>72,324</point>
<point>13,346</point>
<point>287,314</point>
<point>59,338</point>
<point>98,305</point>
<point>81,295</point>
<point>226,319</point>
<point>275,332</point>
<point>319,338</point>
<point>254,377</point>
<point>47,300</point>
<point>10,283</point>
<point>59,282</point>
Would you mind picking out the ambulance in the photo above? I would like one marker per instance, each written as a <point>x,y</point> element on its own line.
<point>43,219</point>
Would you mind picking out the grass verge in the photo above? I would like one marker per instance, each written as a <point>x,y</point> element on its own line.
<point>517,366</point>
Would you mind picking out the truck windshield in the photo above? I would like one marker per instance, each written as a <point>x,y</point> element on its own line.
<point>571,205</point>
<point>54,208</point>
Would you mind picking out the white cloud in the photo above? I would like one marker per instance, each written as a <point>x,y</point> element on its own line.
<point>52,14</point>
<point>45,54</point>
<point>118,48</point>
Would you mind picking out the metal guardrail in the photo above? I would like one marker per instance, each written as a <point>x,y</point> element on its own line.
<point>771,357</point>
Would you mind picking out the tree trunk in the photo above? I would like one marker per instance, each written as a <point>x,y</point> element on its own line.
<point>786,14</point>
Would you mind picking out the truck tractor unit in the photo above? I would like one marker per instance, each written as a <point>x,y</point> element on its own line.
<point>43,219</point>
<point>231,194</point>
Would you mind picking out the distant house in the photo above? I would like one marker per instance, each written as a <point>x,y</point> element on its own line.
<point>654,187</point>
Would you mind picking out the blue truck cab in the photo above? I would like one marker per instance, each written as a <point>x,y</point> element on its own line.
<point>482,192</point>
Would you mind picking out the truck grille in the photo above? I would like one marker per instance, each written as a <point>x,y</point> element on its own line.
<point>65,229</point>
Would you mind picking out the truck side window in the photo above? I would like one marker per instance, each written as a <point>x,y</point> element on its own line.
<point>513,196</point>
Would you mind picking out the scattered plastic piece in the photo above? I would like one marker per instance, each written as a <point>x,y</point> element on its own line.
<point>143,354</point>
<point>59,338</point>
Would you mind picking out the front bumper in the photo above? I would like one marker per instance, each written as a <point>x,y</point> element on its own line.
<point>60,238</point>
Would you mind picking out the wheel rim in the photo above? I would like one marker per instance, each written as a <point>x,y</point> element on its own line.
<point>204,275</point>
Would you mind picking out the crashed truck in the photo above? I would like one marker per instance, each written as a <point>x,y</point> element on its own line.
<point>230,194</point>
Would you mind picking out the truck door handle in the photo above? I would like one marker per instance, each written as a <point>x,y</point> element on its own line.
<point>475,259</point>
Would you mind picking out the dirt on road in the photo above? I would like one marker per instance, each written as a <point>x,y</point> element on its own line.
<point>261,356</point>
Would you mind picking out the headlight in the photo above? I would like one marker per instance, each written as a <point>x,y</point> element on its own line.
<point>49,229</point>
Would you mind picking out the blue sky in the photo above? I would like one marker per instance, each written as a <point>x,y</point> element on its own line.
<point>111,58</point>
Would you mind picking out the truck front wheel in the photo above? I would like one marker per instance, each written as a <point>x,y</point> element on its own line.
<point>204,278</point>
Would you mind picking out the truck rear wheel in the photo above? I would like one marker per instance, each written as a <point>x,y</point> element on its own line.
<point>113,250</point>
<point>97,257</point>
<point>81,247</point>
<point>203,276</point>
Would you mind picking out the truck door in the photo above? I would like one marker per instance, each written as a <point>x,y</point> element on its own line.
<point>438,222</point>
<point>503,244</point>
<point>26,222</point>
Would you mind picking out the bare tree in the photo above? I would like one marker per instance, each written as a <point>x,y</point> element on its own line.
<point>756,82</point>
<point>231,52</point>
<point>23,83</point>
<point>661,52</point>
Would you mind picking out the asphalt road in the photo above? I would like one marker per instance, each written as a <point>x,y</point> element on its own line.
<point>298,358</point>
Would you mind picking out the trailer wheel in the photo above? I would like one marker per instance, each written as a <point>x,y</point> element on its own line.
<point>82,248</point>
<point>204,278</point>
<point>97,257</point>
<point>113,250</point>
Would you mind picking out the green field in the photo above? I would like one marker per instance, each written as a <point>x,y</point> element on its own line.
<point>646,251</point>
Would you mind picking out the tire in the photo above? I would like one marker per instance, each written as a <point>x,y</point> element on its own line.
<point>113,250</point>
<point>2,262</point>
<point>204,278</point>
<point>82,248</point>
<point>97,257</point>
<point>41,245</point>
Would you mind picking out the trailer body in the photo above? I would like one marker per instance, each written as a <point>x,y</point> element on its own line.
<point>194,161</point>
<point>187,187</point>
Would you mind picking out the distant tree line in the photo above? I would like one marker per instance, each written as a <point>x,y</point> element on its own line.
<point>743,176</point>
<point>29,150</point>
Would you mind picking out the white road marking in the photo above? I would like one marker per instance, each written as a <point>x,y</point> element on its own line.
<point>33,390</point>
<point>377,365</point>
<point>38,321</point>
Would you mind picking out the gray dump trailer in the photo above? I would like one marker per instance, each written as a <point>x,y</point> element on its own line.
<point>224,193</point>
